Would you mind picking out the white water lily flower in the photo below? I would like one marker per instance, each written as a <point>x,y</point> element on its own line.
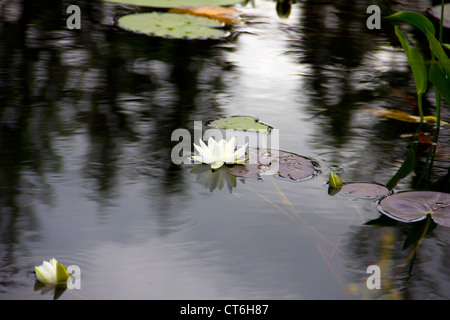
<point>219,153</point>
<point>51,272</point>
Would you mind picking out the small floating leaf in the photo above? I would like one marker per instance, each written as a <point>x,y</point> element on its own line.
<point>171,25</point>
<point>283,164</point>
<point>365,190</point>
<point>175,3</point>
<point>412,206</point>
<point>402,116</point>
<point>245,123</point>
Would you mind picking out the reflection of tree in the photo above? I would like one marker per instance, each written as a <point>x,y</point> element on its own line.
<point>350,71</point>
<point>382,246</point>
<point>334,43</point>
<point>120,94</point>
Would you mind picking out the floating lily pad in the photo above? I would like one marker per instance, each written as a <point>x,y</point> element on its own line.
<point>245,123</point>
<point>365,190</point>
<point>412,206</point>
<point>436,13</point>
<point>175,3</point>
<point>282,164</point>
<point>172,25</point>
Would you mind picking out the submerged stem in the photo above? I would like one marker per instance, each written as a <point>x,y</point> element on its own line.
<point>438,102</point>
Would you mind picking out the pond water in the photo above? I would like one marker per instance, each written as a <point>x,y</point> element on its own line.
<point>86,176</point>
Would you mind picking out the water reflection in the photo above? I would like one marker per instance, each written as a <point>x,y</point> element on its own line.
<point>351,68</point>
<point>91,113</point>
<point>215,179</point>
<point>55,291</point>
<point>118,95</point>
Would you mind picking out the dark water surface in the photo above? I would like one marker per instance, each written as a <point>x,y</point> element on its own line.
<point>86,118</point>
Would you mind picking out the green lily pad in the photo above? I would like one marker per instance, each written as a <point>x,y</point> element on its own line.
<point>365,190</point>
<point>280,163</point>
<point>172,25</point>
<point>175,3</point>
<point>412,206</point>
<point>244,123</point>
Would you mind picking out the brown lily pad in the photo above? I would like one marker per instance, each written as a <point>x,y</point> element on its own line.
<point>412,206</point>
<point>365,190</point>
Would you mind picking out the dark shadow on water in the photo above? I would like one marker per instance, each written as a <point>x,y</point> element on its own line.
<point>122,94</point>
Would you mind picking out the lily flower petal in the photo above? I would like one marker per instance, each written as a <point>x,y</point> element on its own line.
<point>51,272</point>
<point>216,165</point>
<point>218,153</point>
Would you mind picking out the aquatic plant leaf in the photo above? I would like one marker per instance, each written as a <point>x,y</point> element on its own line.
<point>280,163</point>
<point>416,19</point>
<point>174,3</point>
<point>402,116</point>
<point>405,169</point>
<point>438,51</point>
<point>412,206</point>
<point>245,123</point>
<point>365,190</point>
<point>228,15</point>
<point>416,62</point>
<point>419,230</point>
<point>440,79</point>
<point>436,13</point>
<point>171,25</point>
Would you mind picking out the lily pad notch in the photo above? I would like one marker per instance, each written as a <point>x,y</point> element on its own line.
<point>413,206</point>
